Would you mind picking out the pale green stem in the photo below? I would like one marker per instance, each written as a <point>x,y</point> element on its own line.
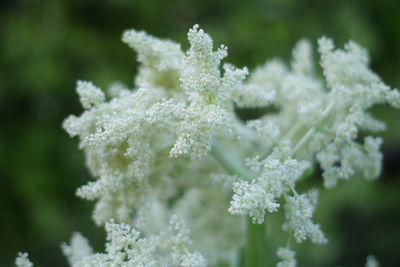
<point>229,163</point>
<point>235,258</point>
<point>303,141</point>
<point>289,240</point>
<point>293,131</point>
<point>255,252</point>
<point>298,127</point>
<point>310,133</point>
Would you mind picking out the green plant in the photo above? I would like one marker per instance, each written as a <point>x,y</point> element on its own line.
<point>173,163</point>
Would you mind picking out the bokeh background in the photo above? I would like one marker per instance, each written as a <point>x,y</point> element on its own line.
<point>46,45</point>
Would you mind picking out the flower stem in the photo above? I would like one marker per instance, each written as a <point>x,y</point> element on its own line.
<point>255,252</point>
<point>310,133</point>
<point>229,163</point>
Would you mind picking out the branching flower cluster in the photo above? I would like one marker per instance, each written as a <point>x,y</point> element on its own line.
<point>126,247</point>
<point>171,154</point>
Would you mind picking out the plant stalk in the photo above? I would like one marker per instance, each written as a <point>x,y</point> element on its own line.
<point>255,251</point>
<point>229,163</point>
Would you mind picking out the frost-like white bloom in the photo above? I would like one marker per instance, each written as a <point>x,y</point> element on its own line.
<point>287,257</point>
<point>252,199</point>
<point>124,137</point>
<point>179,244</point>
<point>278,174</point>
<point>22,260</point>
<point>154,52</point>
<point>210,94</point>
<point>77,250</point>
<point>352,82</point>
<point>147,147</point>
<point>341,160</point>
<point>126,247</point>
<point>207,218</point>
<point>161,61</point>
<point>372,261</point>
<point>266,132</point>
<point>353,89</point>
<point>299,210</point>
<point>89,95</point>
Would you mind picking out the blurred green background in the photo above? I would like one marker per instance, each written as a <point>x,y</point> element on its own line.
<point>46,45</point>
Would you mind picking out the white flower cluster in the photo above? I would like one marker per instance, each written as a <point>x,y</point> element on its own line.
<point>353,89</point>
<point>287,258</point>
<point>278,175</point>
<point>126,247</point>
<point>299,210</point>
<point>148,148</point>
<point>319,120</point>
<point>372,261</point>
<point>23,261</point>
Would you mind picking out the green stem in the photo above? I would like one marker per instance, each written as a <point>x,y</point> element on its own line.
<point>303,141</point>
<point>310,133</point>
<point>293,131</point>
<point>229,163</point>
<point>255,253</point>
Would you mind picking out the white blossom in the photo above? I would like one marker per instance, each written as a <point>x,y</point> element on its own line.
<point>89,94</point>
<point>147,147</point>
<point>287,258</point>
<point>341,160</point>
<point>179,245</point>
<point>22,260</point>
<point>252,199</point>
<point>78,250</point>
<point>161,60</point>
<point>372,261</point>
<point>209,93</point>
<point>154,52</point>
<point>299,210</point>
<point>126,247</point>
<point>277,176</point>
<point>206,215</point>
